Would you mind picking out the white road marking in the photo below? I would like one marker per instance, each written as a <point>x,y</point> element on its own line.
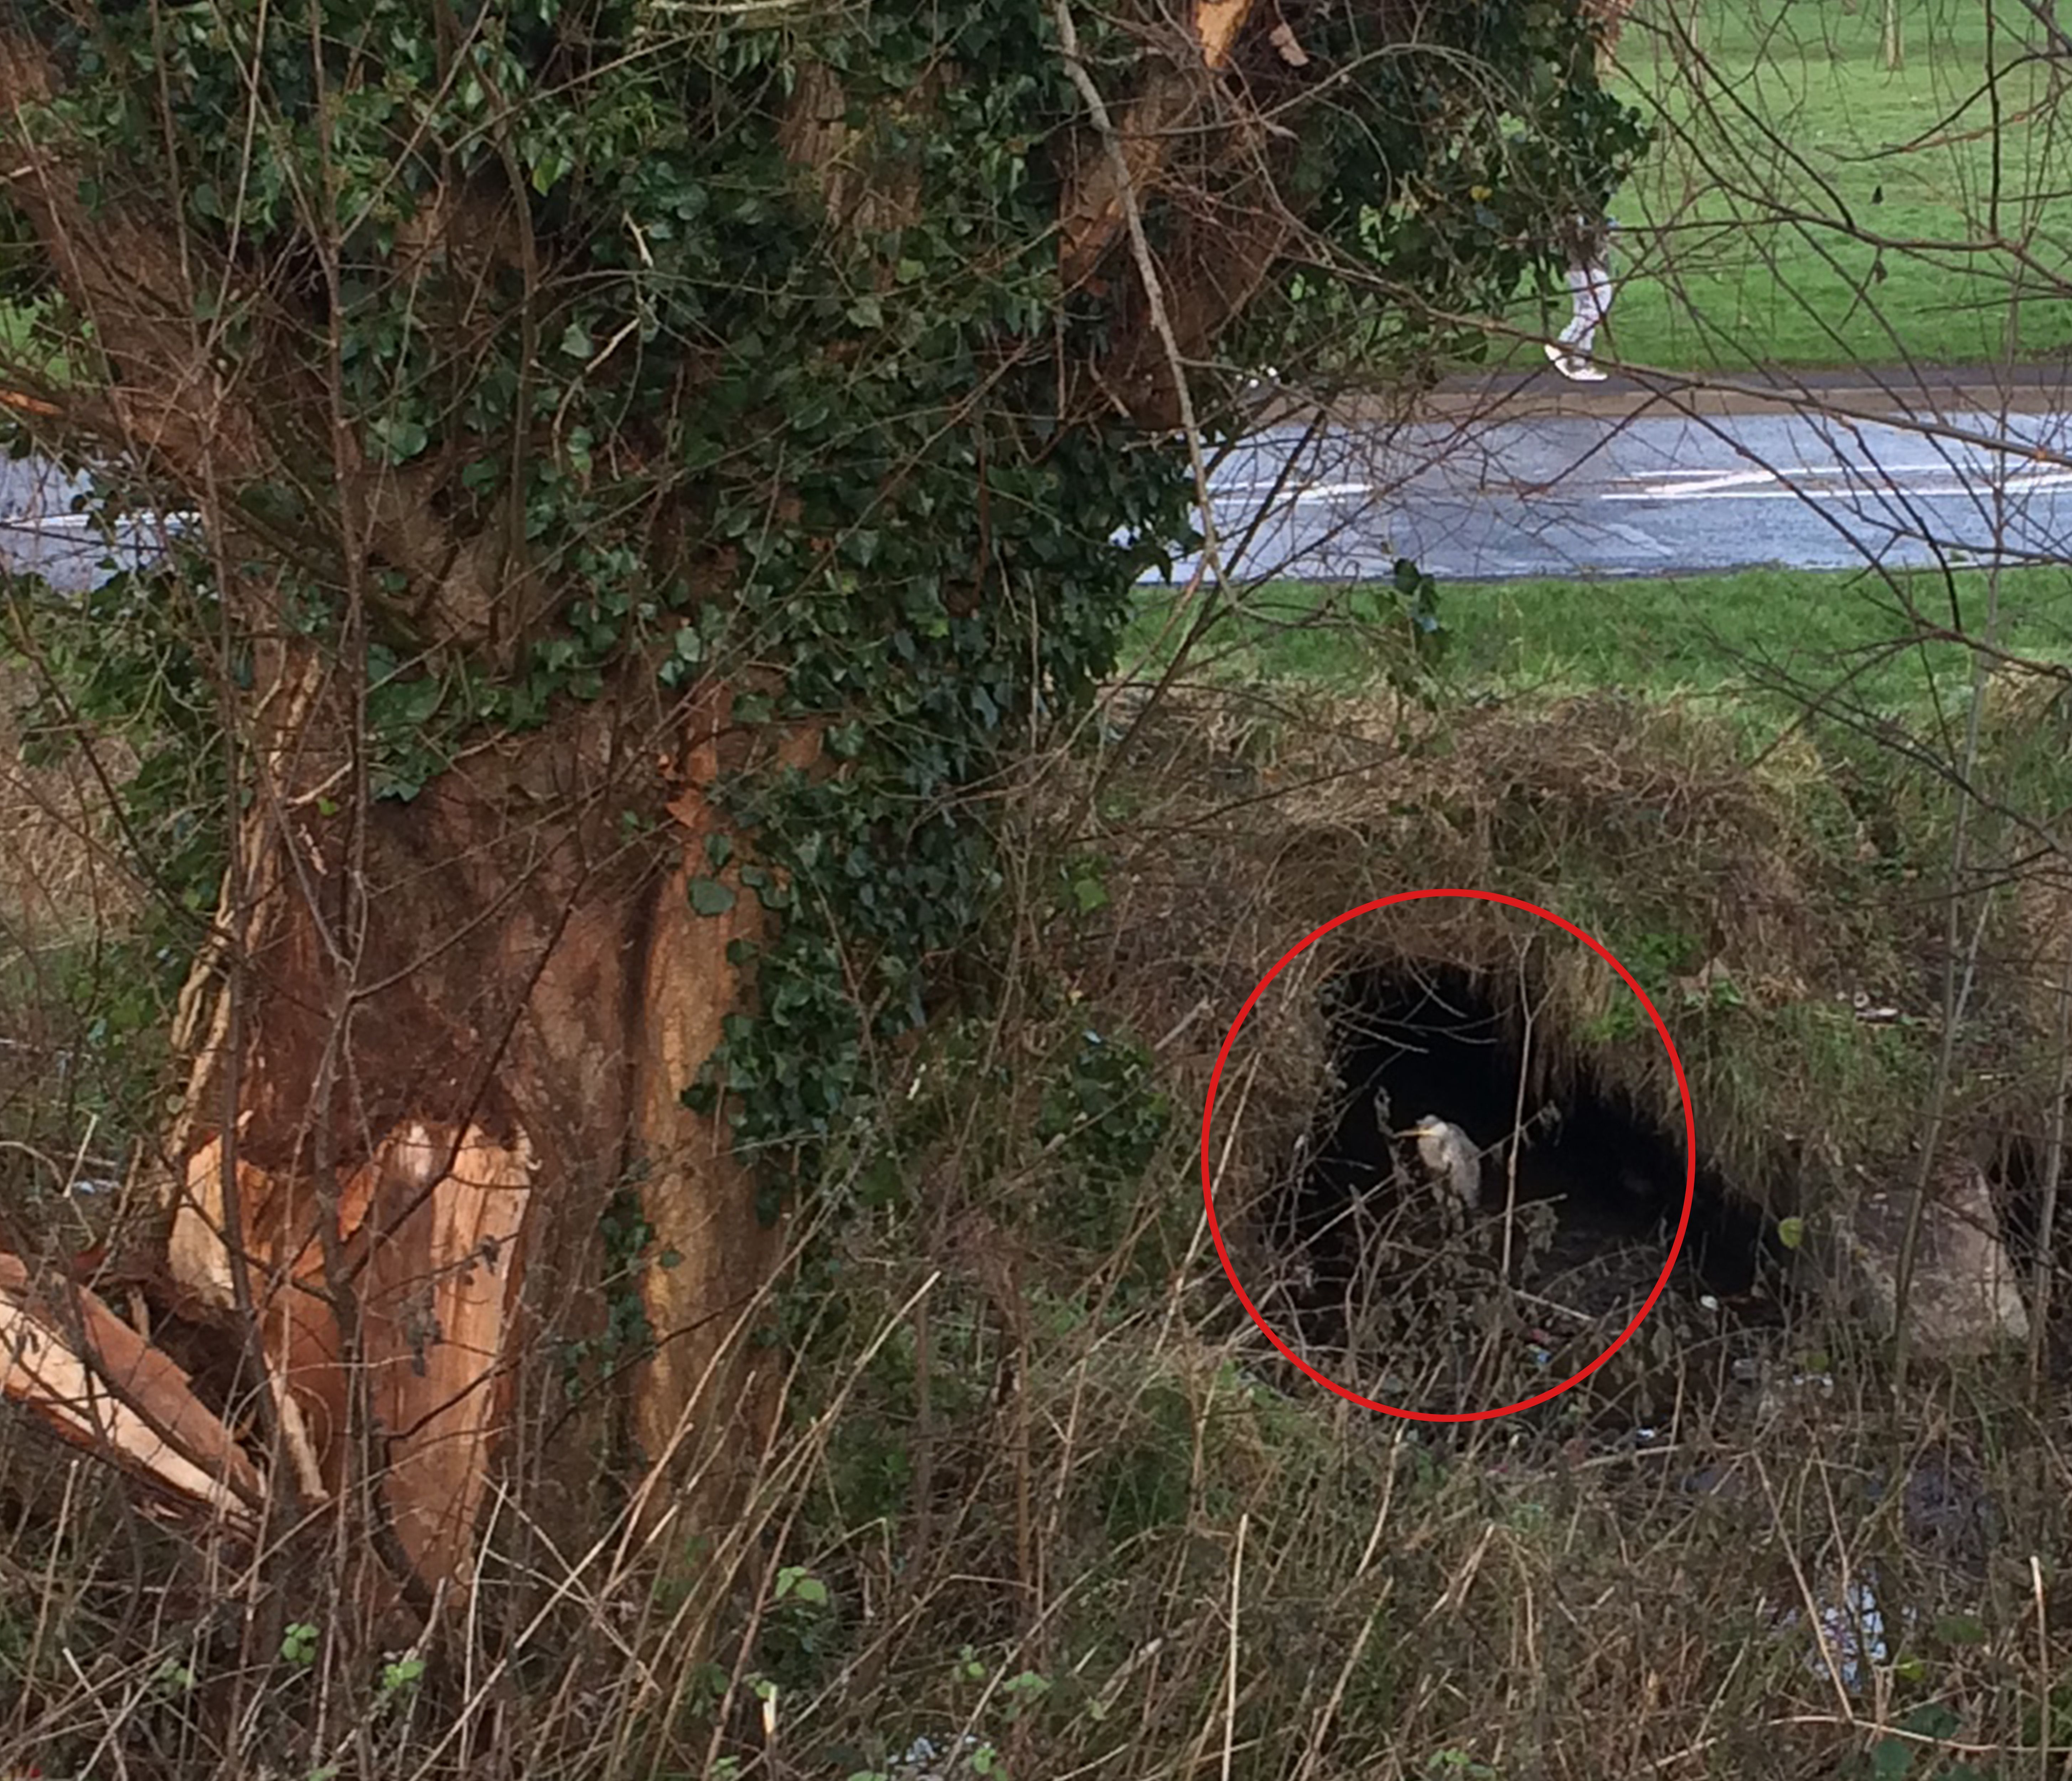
<point>1969,491</point>
<point>1702,483</point>
<point>78,522</point>
<point>1318,491</point>
<point>1865,480</point>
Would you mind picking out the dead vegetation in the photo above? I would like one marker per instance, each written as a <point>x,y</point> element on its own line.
<point>1732,896</point>
<point>1030,1483</point>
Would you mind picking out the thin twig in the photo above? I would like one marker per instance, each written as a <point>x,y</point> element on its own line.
<point>1230,1685</point>
<point>2054,1172</point>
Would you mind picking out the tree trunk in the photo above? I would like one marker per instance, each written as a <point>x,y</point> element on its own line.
<point>453,1068</point>
<point>428,1041</point>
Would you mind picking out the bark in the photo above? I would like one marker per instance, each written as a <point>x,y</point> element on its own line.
<point>1609,17</point>
<point>1176,99</point>
<point>528,998</point>
<point>427,1042</point>
<point>696,1191</point>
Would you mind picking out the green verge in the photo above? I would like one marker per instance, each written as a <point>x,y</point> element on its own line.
<point>1757,643</point>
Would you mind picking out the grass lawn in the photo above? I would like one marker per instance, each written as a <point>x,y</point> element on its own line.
<point>1804,205</point>
<point>22,350</point>
<point>1746,639</point>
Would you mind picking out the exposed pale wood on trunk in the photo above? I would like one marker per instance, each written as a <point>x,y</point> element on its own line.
<point>72,1365</point>
<point>698,1196</point>
<point>1217,23</point>
<point>441,1297</point>
<point>435,1222</point>
<point>534,980</point>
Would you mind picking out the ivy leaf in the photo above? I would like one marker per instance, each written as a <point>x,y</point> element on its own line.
<point>710,897</point>
<point>576,341</point>
<point>397,438</point>
<point>550,169</point>
<point>1791,1232</point>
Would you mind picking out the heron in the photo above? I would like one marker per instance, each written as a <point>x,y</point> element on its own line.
<point>1450,1159</point>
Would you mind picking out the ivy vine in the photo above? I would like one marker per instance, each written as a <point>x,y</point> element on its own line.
<point>571,258</point>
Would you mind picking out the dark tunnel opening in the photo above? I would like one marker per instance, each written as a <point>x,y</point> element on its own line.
<point>1609,1183</point>
<point>2019,1176</point>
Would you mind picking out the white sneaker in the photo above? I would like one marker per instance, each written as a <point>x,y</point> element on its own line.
<point>1556,355</point>
<point>1571,366</point>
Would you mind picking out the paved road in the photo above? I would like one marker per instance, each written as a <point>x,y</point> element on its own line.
<point>1530,476</point>
<point>1521,481</point>
<point>39,531</point>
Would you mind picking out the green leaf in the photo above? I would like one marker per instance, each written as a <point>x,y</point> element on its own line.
<point>710,897</point>
<point>397,438</point>
<point>549,168</point>
<point>576,341</point>
<point>1791,1232</point>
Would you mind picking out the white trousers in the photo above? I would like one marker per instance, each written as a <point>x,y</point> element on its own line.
<point>1590,289</point>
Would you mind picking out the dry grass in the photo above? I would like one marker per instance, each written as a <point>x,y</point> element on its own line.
<point>1737,897</point>
<point>1033,1482</point>
<point>64,889</point>
<point>60,881</point>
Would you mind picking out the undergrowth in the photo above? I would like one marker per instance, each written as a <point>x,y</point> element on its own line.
<point>1038,1499</point>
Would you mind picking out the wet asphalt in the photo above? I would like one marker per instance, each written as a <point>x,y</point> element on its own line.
<point>1529,476</point>
<point>1526,477</point>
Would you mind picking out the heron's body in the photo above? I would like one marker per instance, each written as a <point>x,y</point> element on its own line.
<point>1450,1161</point>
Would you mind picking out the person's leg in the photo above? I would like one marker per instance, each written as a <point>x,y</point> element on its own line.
<point>1582,328</point>
<point>1601,295</point>
<point>1590,289</point>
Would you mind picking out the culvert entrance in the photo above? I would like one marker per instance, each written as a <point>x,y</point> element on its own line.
<point>1457,1297</point>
